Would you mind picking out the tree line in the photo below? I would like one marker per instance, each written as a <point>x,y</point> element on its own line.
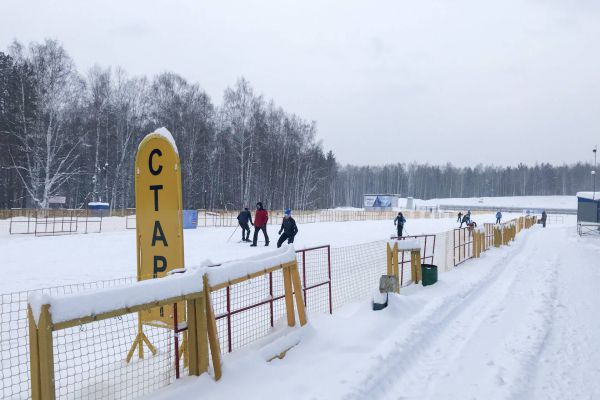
<point>64,133</point>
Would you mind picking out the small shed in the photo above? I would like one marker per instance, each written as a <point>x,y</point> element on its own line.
<point>588,206</point>
<point>588,212</point>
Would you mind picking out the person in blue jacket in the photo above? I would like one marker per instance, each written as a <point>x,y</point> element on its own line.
<point>498,217</point>
<point>399,222</point>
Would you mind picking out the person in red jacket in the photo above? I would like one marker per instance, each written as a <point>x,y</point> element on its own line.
<point>260,224</point>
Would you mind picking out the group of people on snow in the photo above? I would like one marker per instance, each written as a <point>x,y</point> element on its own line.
<point>288,229</point>
<point>465,219</point>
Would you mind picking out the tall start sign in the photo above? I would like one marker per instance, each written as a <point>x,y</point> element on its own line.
<point>159,226</point>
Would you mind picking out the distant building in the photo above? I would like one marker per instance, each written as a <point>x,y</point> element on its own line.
<point>380,202</point>
<point>588,212</point>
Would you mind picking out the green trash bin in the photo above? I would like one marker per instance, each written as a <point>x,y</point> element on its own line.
<point>429,274</point>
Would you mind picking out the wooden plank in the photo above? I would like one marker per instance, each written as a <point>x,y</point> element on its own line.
<point>390,271</point>
<point>249,276</point>
<point>125,310</point>
<point>34,356</point>
<point>213,335</point>
<point>202,335</point>
<point>298,294</point>
<point>192,342</point>
<point>395,269</point>
<point>46,352</point>
<point>289,300</point>
<point>416,255</point>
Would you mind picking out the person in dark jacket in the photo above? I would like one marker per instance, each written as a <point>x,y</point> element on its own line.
<point>543,220</point>
<point>288,227</point>
<point>498,217</point>
<point>399,222</point>
<point>261,217</point>
<point>244,217</point>
<point>459,217</point>
<point>466,218</point>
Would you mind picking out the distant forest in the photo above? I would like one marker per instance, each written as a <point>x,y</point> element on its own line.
<point>75,134</point>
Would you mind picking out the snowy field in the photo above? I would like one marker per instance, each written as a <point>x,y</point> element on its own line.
<point>519,323</point>
<point>525,202</point>
<point>514,324</point>
<point>35,262</point>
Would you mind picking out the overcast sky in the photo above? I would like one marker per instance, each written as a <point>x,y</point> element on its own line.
<point>461,81</point>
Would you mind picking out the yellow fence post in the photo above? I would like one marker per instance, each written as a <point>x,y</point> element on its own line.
<point>192,331</point>
<point>46,354</point>
<point>34,356</point>
<point>389,259</point>
<point>298,293</point>
<point>415,262</point>
<point>289,299</point>
<point>211,329</point>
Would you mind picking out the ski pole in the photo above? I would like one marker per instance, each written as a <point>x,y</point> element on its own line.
<point>232,233</point>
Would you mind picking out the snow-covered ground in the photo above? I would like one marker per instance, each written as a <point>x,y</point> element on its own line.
<point>519,323</point>
<point>35,262</point>
<point>516,324</point>
<point>525,202</point>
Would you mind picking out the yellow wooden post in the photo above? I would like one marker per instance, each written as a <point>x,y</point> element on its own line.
<point>413,268</point>
<point>192,342</point>
<point>415,261</point>
<point>390,271</point>
<point>474,244</point>
<point>34,356</point>
<point>46,352</point>
<point>211,329</point>
<point>298,293</point>
<point>202,335</point>
<point>395,260</point>
<point>289,299</point>
<point>395,266</point>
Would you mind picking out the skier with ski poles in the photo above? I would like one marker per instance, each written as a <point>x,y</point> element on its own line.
<point>498,217</point>
<point>288,227</point>
<point>244,217</point>
<point>261,217</point>
<point>399,222</point>
<point>459,217</point>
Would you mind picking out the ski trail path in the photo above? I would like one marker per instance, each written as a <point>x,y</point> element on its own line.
<point>489,340</point>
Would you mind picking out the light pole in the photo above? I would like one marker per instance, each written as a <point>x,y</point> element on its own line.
<point>594,173</point>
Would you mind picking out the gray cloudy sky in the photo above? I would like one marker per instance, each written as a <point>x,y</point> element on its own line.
<point>465,81</point>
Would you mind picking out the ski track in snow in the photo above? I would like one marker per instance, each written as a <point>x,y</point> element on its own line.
<point>481,340</point>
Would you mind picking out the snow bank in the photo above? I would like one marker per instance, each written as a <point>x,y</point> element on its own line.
<point>404,245</point>
<point>70,307</point>
<point>236,269</point>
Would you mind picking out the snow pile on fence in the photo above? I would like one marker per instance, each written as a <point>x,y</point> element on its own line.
<point>237,269</point>
<point>190,280</point>
<point>69,307</point>
<point>405,245</point>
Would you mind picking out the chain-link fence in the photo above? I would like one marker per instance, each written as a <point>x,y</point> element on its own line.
<point>15,371</point>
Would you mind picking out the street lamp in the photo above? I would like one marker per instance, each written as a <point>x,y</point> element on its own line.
<point>594,173</point>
